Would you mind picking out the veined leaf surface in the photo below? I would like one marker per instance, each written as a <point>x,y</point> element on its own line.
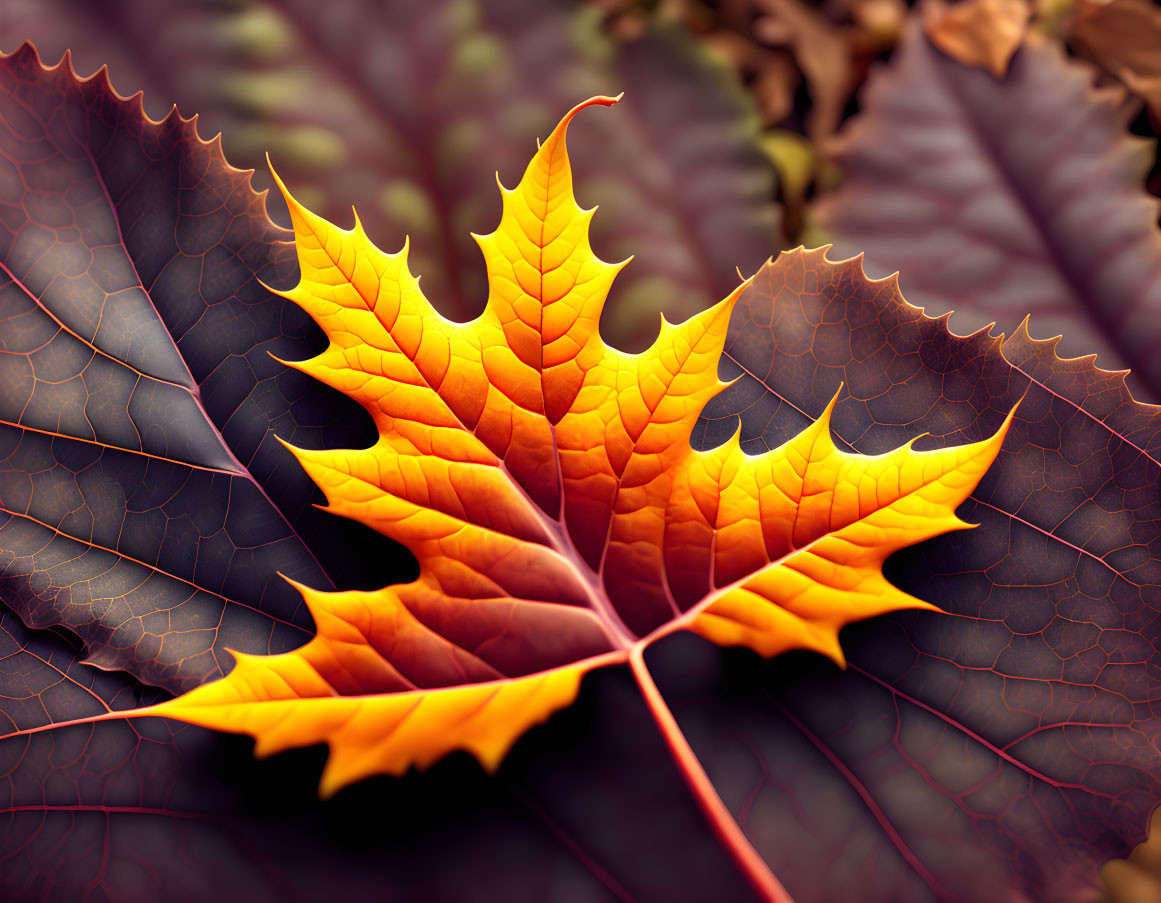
<point>146,505</point>
<point>962,387</point>
<point>116,534</point>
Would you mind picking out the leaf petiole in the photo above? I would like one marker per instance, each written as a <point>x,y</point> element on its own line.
<point>721,821</point>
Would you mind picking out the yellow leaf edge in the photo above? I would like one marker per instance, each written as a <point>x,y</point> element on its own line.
<point>386,733</point>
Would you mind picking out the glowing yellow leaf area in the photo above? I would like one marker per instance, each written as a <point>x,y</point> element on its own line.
<point>546,483</point>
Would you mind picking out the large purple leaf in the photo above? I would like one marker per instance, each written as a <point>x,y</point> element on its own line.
<point>405,109</point>
<point>1004,750</point>
<point>1006,198</point>
<point>144,503</point>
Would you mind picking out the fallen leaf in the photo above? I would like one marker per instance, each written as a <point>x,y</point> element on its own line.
<point>1004,199</point>
<point>823,54</point>
<point>1122,37</point>
<point>878,23</point>
<point>770,74</point>
<point>1138,878</point>
<point>980,33</point>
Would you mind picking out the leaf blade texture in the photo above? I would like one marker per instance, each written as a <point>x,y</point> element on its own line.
<point>137,382</point>
<point>98,807</point>
<point>546,484</point>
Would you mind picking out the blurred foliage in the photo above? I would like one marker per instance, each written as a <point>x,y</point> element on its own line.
<point>1123,37</point>
<point>405,109</point>
<point>803,60</point>
<point>1005,199</point>
<point>1136,879</point>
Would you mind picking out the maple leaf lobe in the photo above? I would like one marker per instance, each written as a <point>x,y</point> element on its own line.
<point>546,483</point>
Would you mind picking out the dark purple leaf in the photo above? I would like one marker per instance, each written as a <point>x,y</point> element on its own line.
<point>134,812</point>
<point>145,503</point>
<point>1007,198</point>
<point>1001,751</point>
<point>146,511</point>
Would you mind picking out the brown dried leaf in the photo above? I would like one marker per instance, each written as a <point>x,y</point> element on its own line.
<point>980,33</point>
<point>1138,878</point>
<point>1123,37</point>
<point>878,24</point>
<point>823,54</point>
<point>774,85</point>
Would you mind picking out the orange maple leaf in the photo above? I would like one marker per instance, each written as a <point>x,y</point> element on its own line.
<point>562,521</point>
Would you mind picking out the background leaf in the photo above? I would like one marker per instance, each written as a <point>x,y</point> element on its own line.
<point>1137,878</point>
<point>1121,37</point>
<point>1001,199</point>
<point>146,505</point>
<point>1005,749</point>
<point>404,109</point>
<point>980,33</point>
